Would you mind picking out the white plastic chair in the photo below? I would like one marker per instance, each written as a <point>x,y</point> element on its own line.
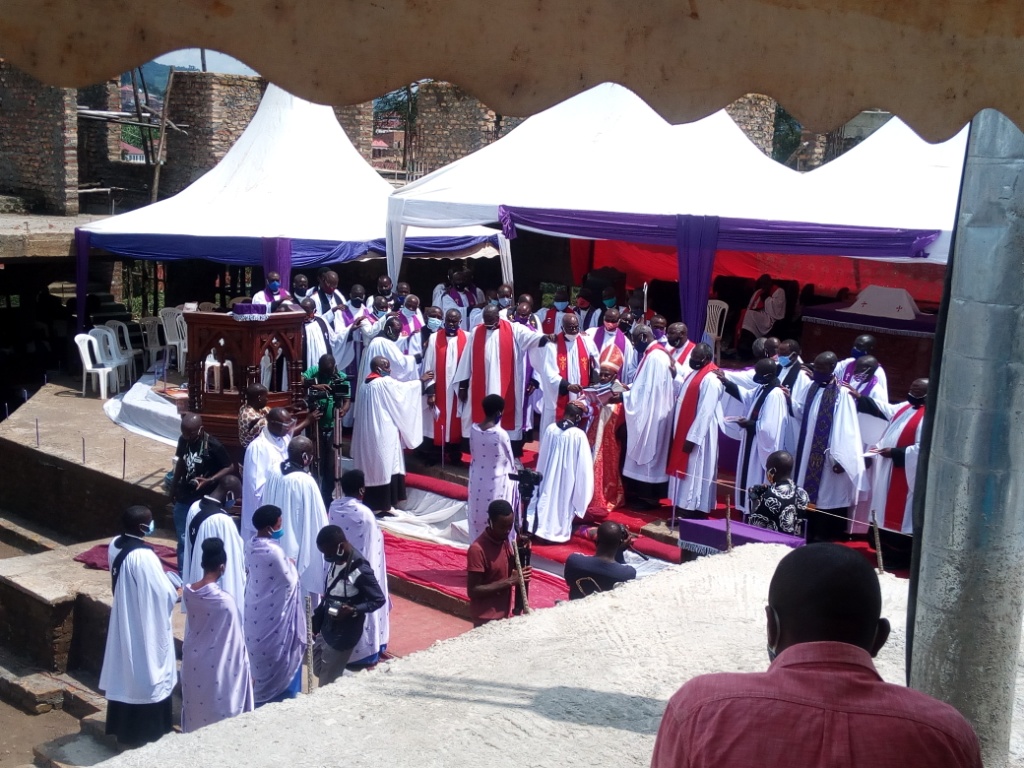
<point>92,364</point>
<point>153,347</point>
<point>207,306</point>
<point>110,353</point>
<point>124,344</point>
<point>175,334</point>
<point>714,327</point>
<point>211,364</point>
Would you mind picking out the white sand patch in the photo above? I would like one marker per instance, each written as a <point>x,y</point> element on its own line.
<point>581,684</point>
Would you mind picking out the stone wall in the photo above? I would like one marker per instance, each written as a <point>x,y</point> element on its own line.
<point>216,108</point>
<point>755,115</point>
<point>451,124</point>
<point>38,143</point>
<point>357,122</point>
<point>99,157</point>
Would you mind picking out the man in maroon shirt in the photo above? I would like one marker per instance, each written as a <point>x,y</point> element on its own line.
<point>490,567</point>
<point>821,702</point>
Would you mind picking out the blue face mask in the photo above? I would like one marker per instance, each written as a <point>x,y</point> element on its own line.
<point>855,353</point>
<point>608,303</point>
<point>275,286</point>
<point>785,360</point>
<point>380,312</point>
<point>504,301</point>
<point>277,534</point>
<point>561,305</point>
<point>435,323</point>
<point>229,503</point>
<point>152,527</point>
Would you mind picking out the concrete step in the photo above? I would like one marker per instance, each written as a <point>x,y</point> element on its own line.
<point>28,536</point>
<point>95,726</point>
<point>72,751</point>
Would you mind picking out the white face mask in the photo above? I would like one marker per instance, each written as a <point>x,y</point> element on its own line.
<point>570,336</point>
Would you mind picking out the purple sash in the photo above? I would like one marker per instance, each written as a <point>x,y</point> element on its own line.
<point>457,296</point>
<point>620,340</point>
<point>848,371</point>
<point>820,440</point>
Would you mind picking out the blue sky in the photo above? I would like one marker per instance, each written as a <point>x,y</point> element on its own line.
<point>215,61</point>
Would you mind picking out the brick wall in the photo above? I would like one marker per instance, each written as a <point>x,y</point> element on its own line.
<point>357,122</point>
<point>38,143</point>
<point>217,108</point>
<point>755,115</point>
<point>99,157</point>
<point>451,124</point>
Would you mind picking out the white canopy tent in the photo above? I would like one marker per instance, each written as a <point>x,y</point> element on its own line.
<point>606,150</point>
<point>292,176</point>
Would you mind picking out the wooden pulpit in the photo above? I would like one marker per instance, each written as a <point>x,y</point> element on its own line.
<point>228,352</point>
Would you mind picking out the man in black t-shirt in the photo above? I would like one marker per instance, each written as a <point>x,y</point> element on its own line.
<point>201,460</point>
<point>600,573</point>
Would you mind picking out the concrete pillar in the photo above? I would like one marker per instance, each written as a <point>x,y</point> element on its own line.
<point>971,589</point>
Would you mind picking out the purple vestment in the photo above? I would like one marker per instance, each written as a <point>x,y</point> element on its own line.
<point>275,622</point>
<point>215,680</point>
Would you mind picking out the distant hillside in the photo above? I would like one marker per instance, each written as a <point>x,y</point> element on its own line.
<point>156,78</point>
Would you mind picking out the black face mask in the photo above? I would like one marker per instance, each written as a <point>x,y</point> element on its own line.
<point>916,401</point>
<point>641,346</point>
<point>697,365</point>
<point>762,380</point>
<point>356,302</point>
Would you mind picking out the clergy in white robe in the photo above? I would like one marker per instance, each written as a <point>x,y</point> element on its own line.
<point>389,417</point>
<point>693,458</point>
<point>275,622</point>
<point>215,680</point>
<point>893,474</point>
<point>796,380</point>
<point>846,368</point>
<point>607,333</point>
<point>492,365</point>
<point>679,348</point>
<point>326,297</point>
<point>460,294</point>
<point>766,307</point>
<point>865,382</point>
<point>403,366</point>
<point>263,457</point>
<point>648,404</point>
<point>761,429</point>
<point>139,670</point>
<point>208,519</point>
<point>296,493</point>
<point>830,452</point>
<point>445,349</point>
<point>567,467</point>
<point>361,529</point>
<point>490,468</point>
<point>569,365</point>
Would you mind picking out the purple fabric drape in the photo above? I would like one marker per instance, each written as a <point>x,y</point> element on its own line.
<point>81,275</point>
<point>733,234</point>
<point>696,243</point>
<point>277,257</point>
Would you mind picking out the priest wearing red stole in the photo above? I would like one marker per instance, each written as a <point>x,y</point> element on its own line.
<point>551,317</point>
<point>693,457</point>
<point>443,352</point>
<point>568,367</point>
<point>491,365</point>
<point>679,346</point>
<point>894,469</point>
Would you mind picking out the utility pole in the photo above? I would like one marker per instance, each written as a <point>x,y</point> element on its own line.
<point>970,583</point>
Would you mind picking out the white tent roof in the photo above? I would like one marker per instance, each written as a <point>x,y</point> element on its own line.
<point>292,173</point>
<point>606,150</point>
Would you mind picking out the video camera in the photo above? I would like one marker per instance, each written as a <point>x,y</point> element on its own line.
<point>316,399</point>
<point>528,480</point>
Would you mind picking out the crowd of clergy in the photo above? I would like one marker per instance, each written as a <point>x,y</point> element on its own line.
<point>625,408</point>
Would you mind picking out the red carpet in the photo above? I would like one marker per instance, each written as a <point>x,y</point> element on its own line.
<point>444,569</point>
